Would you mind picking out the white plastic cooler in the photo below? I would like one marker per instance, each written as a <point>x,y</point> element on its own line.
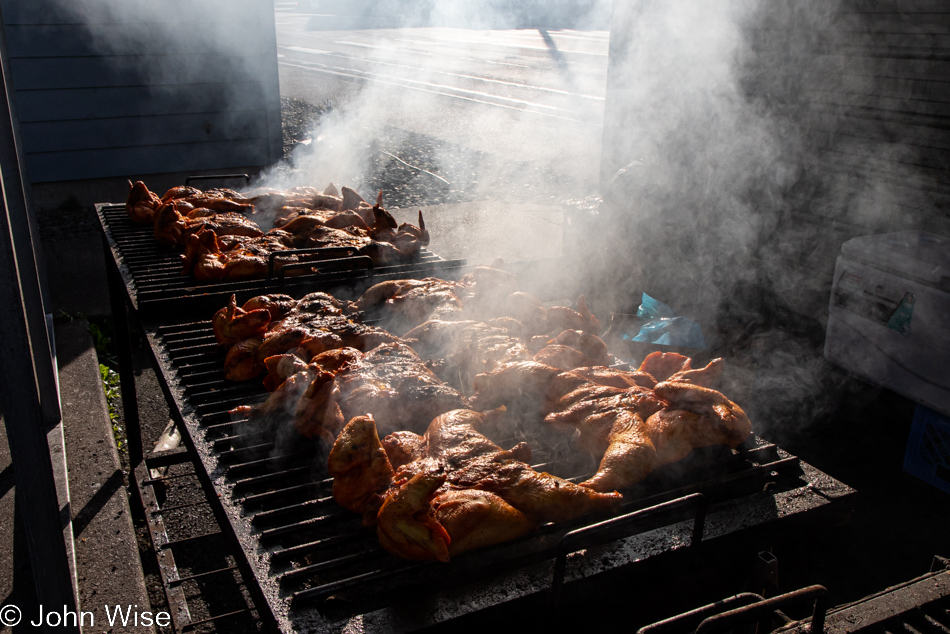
<point>889,318</point>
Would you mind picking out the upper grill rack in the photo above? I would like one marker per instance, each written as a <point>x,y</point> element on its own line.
<point>313,554</point>
<point>151,272</point>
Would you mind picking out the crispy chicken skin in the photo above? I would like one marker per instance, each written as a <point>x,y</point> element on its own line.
<point>307,219</point>
<point>462,492</point>
<point>633,423</point>
<point>393,384</point>
<point>141,204</point>
<point>403,447</point>
<point>406,524</point>
<point>474,518</point>
<point>472,461</point>
<point>360,468</point>
<point>663,365</point>
<point>231,324</point>
<point>280,325</point>
<point>511,383</point>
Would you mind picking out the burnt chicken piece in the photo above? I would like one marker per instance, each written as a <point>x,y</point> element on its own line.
<point>209,257</point>
<point>389,382</point>
<point>275,325</point>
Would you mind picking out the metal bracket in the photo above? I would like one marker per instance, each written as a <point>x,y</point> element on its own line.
<point>728,621</point>
<point>620,528</point>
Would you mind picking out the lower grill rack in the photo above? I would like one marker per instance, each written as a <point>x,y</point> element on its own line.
<point>315,568</point>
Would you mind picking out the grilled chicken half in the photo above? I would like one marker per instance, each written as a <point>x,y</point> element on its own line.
<point>627,418</point>
<point>462,492</point>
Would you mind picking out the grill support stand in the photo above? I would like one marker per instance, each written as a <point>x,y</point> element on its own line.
<point>123,342</point>
<point>123,319</point>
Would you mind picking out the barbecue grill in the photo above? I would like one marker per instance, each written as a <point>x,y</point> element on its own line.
<point>311,567</point>
<point>317,567</point>
<point>151,275</point>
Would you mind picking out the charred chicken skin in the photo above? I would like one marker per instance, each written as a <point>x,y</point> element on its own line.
<point>389,383</point>
<point>316,323</point>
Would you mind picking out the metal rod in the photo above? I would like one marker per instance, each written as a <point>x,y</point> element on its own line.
<point>687,621</point>
<point>167,567</point>
<point>123,343</point>
<point>194,624</point>
<point>213,177</point>
<point>181,580</point>
<point>746,615</point>
<point>189,540</point>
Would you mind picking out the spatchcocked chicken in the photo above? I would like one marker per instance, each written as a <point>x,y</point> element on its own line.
<point>221,234</point>
<point>632,426</point>
<point>462,492</point>
<point>409,417</point>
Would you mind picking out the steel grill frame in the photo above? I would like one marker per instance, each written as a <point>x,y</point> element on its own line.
<point>310,567</point>
<point>292,533</point>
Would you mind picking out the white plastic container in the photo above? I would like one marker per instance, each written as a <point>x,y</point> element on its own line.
<point>889,317</point>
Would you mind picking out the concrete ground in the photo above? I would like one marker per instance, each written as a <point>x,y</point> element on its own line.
<point>108,568</point>
<point>108,565</point>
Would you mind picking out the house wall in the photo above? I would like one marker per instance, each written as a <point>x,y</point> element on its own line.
<point>120,88</point>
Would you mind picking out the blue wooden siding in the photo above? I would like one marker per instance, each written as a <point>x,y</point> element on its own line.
<point>108,88</point>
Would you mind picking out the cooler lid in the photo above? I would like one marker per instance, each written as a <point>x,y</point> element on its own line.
<point>918,254</point>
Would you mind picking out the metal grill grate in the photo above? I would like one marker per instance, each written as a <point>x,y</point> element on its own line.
<point>152,275</point>
<point>318,566</point>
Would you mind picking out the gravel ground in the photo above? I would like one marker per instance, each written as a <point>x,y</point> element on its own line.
<point>417,170</point>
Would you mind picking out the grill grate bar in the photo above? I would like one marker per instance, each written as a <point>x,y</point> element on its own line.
<point>201,575</point>
<point>231,455</point>
<point>236,471</point>
<point>329,589</point>
<point>261,499</point>
<point>272,534</point>
<point>211,619</point>
<point>280,476</point>
<point>330,565</point>
<point>274,515</point>
<point>334,543</point>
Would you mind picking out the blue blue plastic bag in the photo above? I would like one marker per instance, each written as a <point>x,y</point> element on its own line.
<point>665,328</point>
